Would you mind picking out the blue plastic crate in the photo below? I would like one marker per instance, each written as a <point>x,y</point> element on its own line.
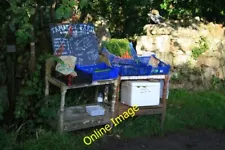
<point>98,72</point>
<point>133,70</point>
<point>122,61</point>
<point>144,59</point>
<point>162,68</point>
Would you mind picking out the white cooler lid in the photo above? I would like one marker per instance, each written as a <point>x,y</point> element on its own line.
<point>140,83</point>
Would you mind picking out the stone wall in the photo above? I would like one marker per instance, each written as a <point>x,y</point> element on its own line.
<point>194,49</point>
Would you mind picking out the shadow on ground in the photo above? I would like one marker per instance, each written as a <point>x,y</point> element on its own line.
<point>190,140</point>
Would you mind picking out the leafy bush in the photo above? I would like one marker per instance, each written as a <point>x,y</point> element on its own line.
<point>6,141</point>
<point>117,46</point>
<point>55,142</point>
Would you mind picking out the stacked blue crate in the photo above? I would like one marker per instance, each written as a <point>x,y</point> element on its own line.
<point>162,67</point>
<point>128,67</point>
<point>98,72</point>
<point>136,66</point>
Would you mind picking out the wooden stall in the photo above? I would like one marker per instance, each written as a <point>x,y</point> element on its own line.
<point>80,41</point>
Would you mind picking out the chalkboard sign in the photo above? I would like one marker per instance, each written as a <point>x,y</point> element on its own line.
<point>85,48</point>
<point>77,29</point>
<point>78,40</point>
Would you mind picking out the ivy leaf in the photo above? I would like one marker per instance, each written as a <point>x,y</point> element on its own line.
<point>59,13</point>
<point>67,13</point>
<point>32,11</point>
<point>83,3</point>
<point>12,24</point>
<point>72,3</point>
<point>1,110</point>
<point>91,5</point>
<point>20,58</point>
<point>28,92</point>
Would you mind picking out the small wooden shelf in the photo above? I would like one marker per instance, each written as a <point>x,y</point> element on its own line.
<point>143,110</point>
<point>76,118</point>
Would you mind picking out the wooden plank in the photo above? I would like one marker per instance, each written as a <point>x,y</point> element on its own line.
<point>79,112</point>
<point>146,110</point>
<point>59,83</point>
<point>86,123</point>
<point>77,118</point>
<point>96,83</point>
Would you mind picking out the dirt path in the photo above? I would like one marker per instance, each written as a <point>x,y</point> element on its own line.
<point>194,140</point>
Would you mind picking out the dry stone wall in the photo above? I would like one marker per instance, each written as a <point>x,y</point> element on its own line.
<point>195,50</point>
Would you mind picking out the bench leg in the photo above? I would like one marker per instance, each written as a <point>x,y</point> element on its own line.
<point>164,100</point>
<point>163,118</point>
<point>62,105</point>
<point>113,103</point>
<point>96,93</point>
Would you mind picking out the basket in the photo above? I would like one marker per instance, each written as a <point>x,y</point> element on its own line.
<point>133,70</point>
<point>98,72</point>
<point>122,61</point>
<point>69,80</point>
<point>162,68</point>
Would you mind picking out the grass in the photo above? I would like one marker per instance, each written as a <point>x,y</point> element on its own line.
<point>186,110</point>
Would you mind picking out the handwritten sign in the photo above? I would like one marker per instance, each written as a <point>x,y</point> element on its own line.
<point>78,40</point>
<point>78,29</point>
<point>85,48</point>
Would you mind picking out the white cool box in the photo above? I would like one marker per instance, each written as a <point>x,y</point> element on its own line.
<point>141,93</point>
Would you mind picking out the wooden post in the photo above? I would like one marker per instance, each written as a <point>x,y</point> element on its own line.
<point>11,77</point>
<point>164,97</point>
<point>32,58</point>
<point>62,107</point>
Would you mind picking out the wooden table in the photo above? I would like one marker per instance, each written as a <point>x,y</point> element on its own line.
<point>160,109</point>
<point>75,117</point>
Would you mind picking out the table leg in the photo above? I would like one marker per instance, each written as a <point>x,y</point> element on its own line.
<point>117,97</point>
<point>164,99</point>
<point>62,105</point>
<point>114,98</point>
<point>106,93</point>
<point>96,94</point>
<point>113,101</point>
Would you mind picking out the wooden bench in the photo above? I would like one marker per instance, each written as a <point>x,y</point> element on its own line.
<point>74,118</point>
